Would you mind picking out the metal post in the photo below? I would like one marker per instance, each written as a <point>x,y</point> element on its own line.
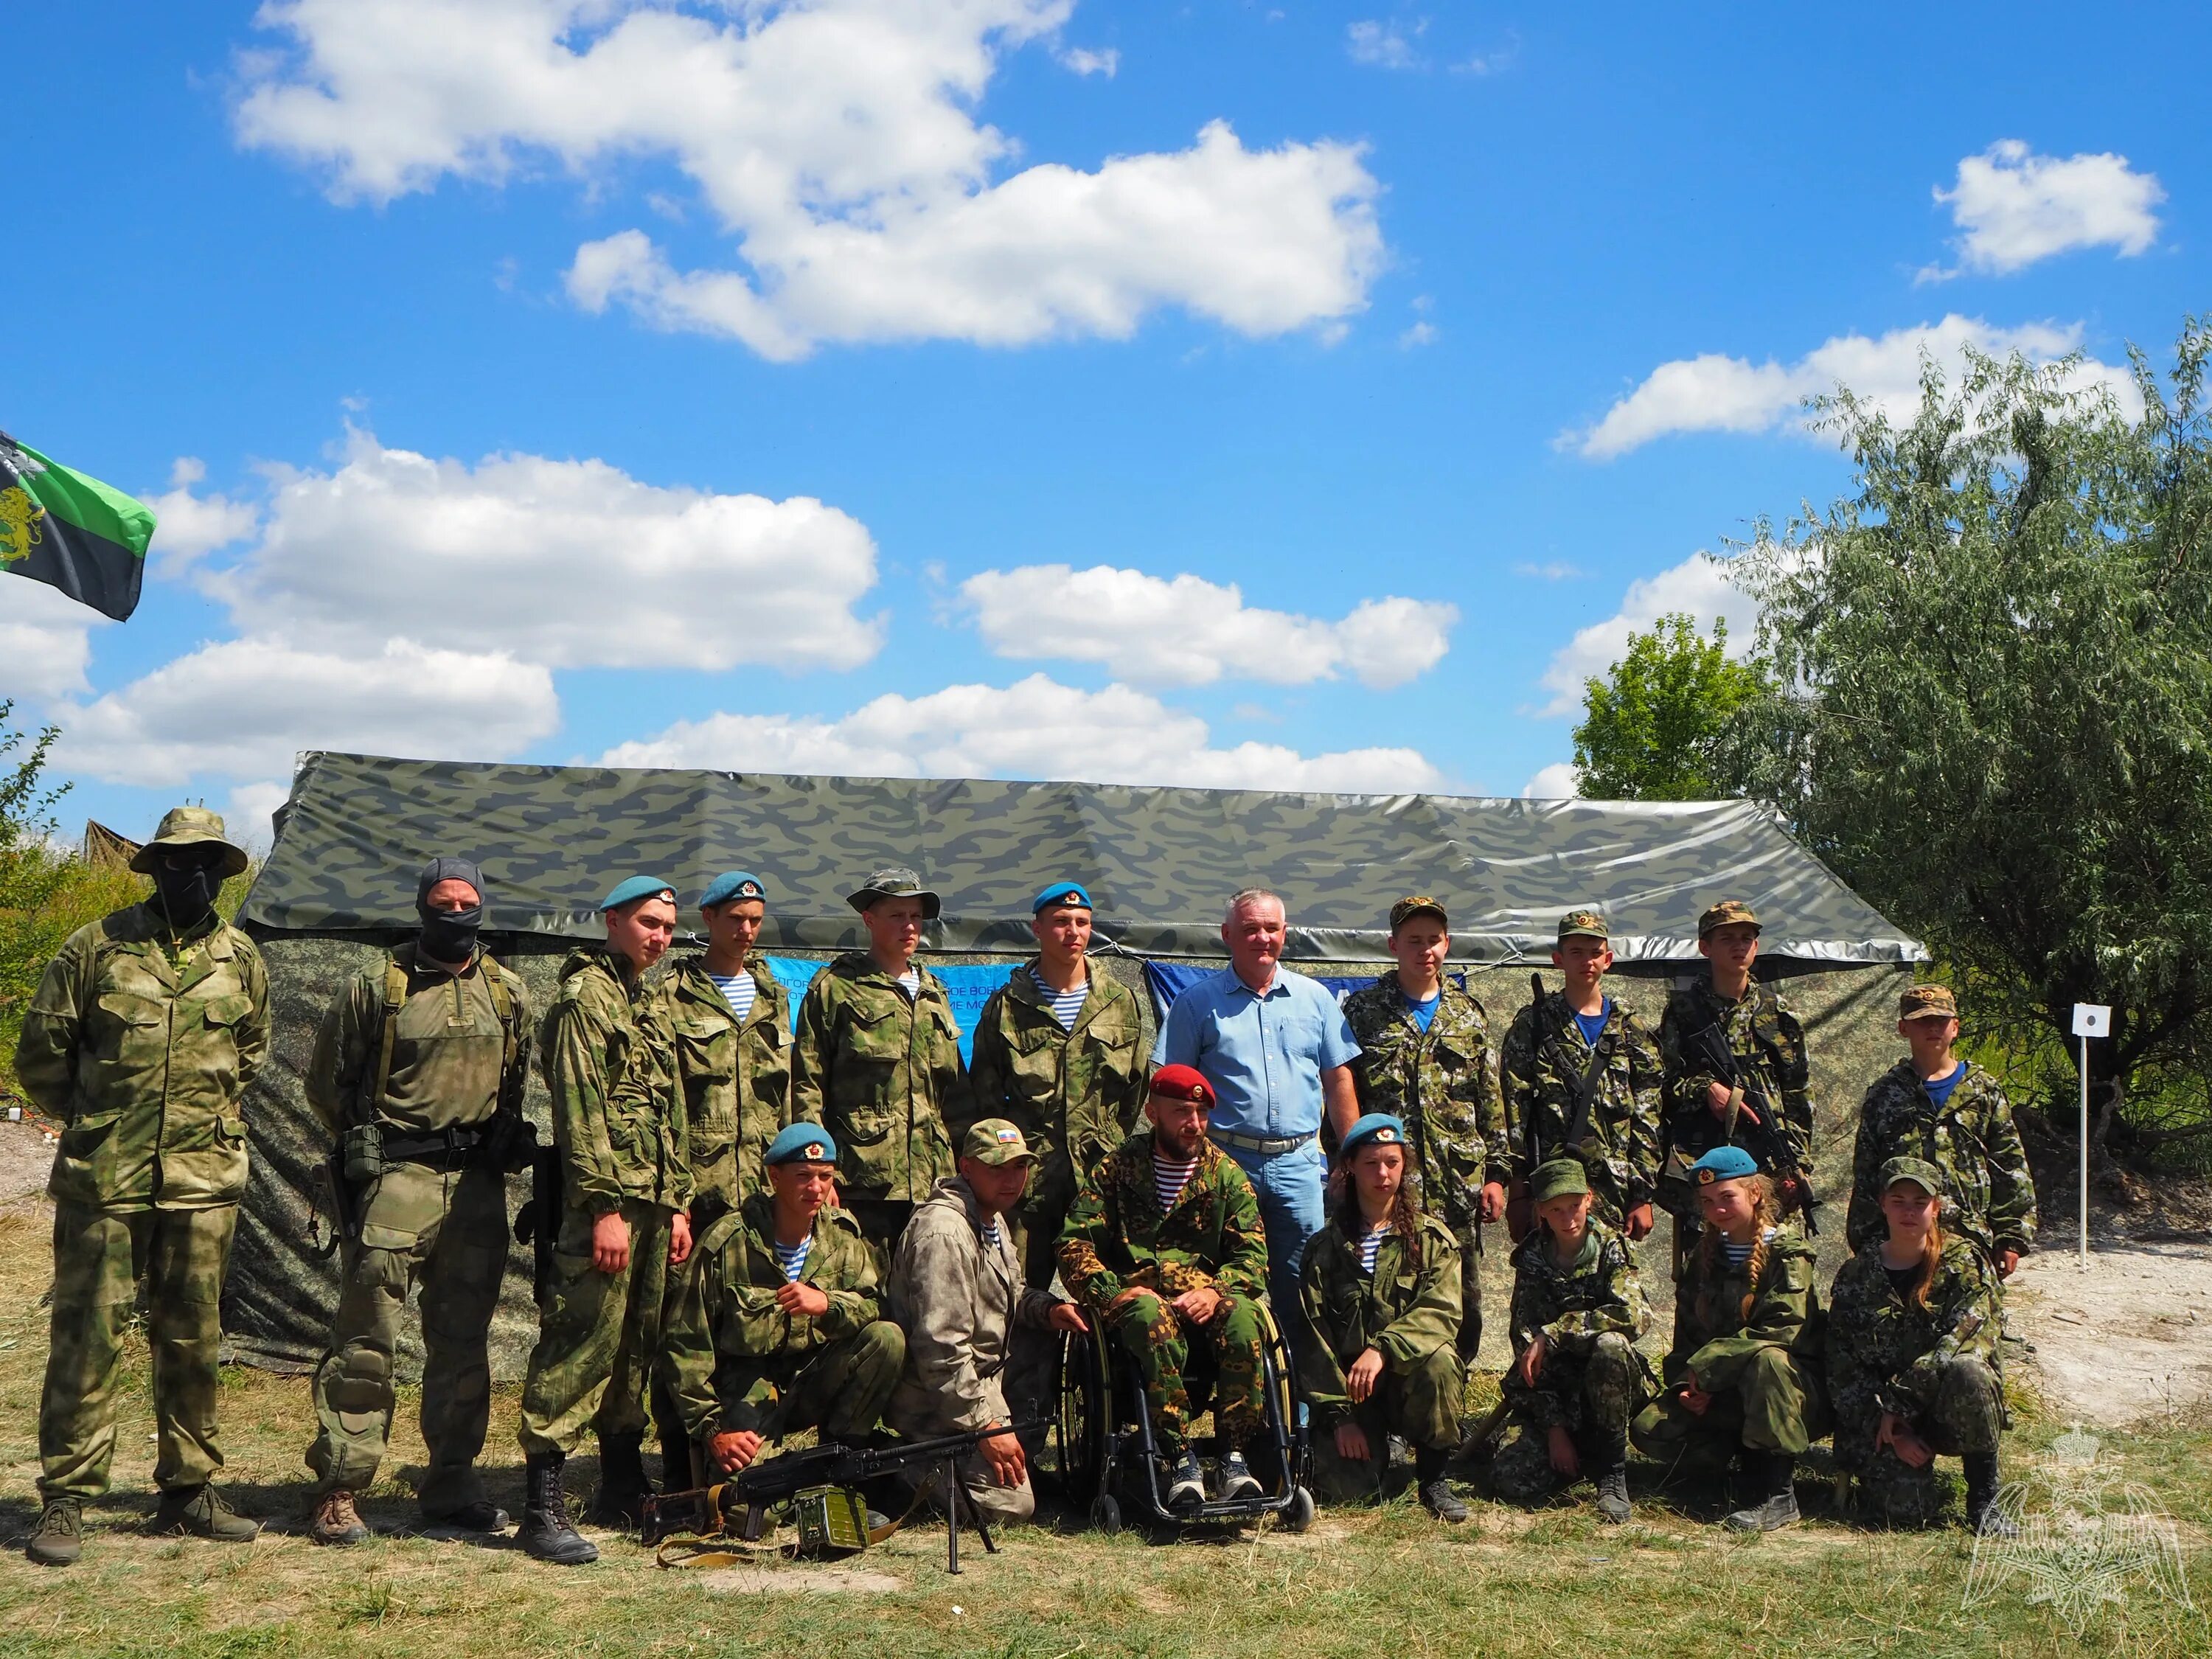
<point>951,1513</point>
<point>2084,1253</point>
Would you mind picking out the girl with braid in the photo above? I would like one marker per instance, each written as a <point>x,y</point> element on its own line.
<point>1744,1380</point>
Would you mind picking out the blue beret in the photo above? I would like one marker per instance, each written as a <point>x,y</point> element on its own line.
<point>1381,1127</point>
<point>1723,1164</point>
<point>807,1141</point>
<point>1061,892</point>
<point>637,887</point>
<point>731,884</point>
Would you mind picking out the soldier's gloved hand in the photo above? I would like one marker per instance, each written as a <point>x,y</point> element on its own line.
<point>1359,1381</point>
<point>805,1299</point>
<point>733,1452</point>
<point>1352,1442</point>
<point>1640,1222</point>
<point>611,1242</point>
<point>1066,1316</point>
<point>1490,1200</point>
<point>679,1239</point>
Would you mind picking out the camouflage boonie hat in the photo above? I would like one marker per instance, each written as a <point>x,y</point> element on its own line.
<point>1416,904</point>
<point>1562,1177</point>
<point>1917,1170</point>
<point>1928,1002</point>
<point>1727,913</point>
<point>996,1142</point>
<point>896,882</point>
<point>1586,924</point>
<point>191,826</point>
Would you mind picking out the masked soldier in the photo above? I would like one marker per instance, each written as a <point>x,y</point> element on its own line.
<point>625,1181</point>
<point>145,1030</point>
<point>876,1060</point>
<point>418,1076</point>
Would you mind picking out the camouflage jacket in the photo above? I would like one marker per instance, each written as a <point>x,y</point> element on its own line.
<point>1074,1095</point>
<point>882,1074</point>
<point>734,1079</point>
<point>726,1310</point>
<point>1883,1348</point>
<point>1973,1140</point>
<point>1714,1336</point>
<point>1540,1073</point>
<point>1117,1237</point>
<point>448,1049</point>
<point>614,1144</point>
<point>1440,1082</point>
<point>141,1048</point>
<point>1769,1049</point>
<point>1571,1307</point>
<point>1405,1310</point>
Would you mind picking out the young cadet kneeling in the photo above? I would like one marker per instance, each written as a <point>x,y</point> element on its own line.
<point>1745,1378</point>
<point>1912,1359</point>
<point>1576,1378</point>
<point>1382,1291</point>
<point>780,1325</point>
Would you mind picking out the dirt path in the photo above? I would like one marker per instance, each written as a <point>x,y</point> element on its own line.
<point>25,1157</point>
<point>2129,1336</point>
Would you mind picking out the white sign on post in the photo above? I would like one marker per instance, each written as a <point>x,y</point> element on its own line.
<point>2091,1019</point>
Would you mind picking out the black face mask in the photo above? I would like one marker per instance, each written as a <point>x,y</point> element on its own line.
<point>186,895</point>
<point>450,935</point>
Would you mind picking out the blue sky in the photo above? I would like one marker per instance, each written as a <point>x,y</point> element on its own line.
<point>1263,396</point>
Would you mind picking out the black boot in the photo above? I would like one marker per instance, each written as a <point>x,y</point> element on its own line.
<point>1777,1505</point>
<point>1438,1496</point>
<point>1984,1515</point>
<point>1609,1468</point>
<point>622,1486</point>
<point>676,1473</point>
<point>545,1532</point>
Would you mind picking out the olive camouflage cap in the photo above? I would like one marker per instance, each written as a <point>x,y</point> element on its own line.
<point>1587,924</point>
<point>1729,912</point>
<point>896,882</point>
<point>1416,904</point>
<point>995,1142</point>
<point>1562,1177</point>
<point>191,826</point>
<point>1917,1170</point>
<point>1928,1002</point>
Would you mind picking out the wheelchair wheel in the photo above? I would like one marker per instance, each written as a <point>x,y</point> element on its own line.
<point>1300,1514</point>
<point>1083,1419</point>
<point>1106,1515</point>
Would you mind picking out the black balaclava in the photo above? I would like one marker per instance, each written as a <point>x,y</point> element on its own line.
<point>183,891</point>
<point>449,935</point>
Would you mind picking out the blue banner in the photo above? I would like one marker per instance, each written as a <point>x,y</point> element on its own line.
<point>967,984</point>
<point>1167,980</point>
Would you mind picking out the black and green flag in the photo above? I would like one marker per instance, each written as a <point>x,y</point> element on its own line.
<point>76,533</point>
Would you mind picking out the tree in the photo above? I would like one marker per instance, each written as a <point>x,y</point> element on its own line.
<point>1650,727</point>
<point>1994,716</point>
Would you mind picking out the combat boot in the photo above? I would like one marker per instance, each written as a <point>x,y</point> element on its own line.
<point>1778,1508</point>
<point>337,1520</point>
<point>1438,1496</point>
<point>60,1537</point>
<point>482,1515</point>
<point>1984,1515</point>
<point>545,1532</point>
<point>1610,1469</point>
<point>620,1502</point>
<point>201,1511</point>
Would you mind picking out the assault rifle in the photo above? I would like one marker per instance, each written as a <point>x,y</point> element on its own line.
<point>539,1218</point>
<point>1707,1043</point>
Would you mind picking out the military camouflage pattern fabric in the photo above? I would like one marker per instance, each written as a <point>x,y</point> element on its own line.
<point>598,1334</point>
<point>883,1075</point>
<point>448,1049</point>
<point>1406,1311</point>
<point>141,1045</point>
<point>1972,1140</point>
<point>1591,1312</point>
<point>1159,862</point>
<point>1440,1082</point>
<point>1158,1338</point>
<point>1540,1072</point>
<point>733,1079</point>
<point>100,1257</point>
<point>617,1145</point>
<point>1934,1367</point>
<point>1075,1095</point>
<point>1769,1049</point>
<point>733,1360</point>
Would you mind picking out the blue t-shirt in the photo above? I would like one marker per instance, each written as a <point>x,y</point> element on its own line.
<point>1939,1093</point>
<point>1593,1025</point>
<point>1263,1054</point>
<point>1421,1014</point>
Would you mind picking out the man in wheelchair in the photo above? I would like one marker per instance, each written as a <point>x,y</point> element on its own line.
<point>1164,1246</point>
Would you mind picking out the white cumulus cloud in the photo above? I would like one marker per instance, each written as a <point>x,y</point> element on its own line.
<point>1185,631</point>
<point>837,144</point>
<point>45,640</point>
<point>1699,585</point>
<point>1385,44</point>
<point>1717,393</point>
<point>251,814</point>
<point>1083,61</point>
<point>186,526</point>
<point>1036,728</point>
<point>2013,207</point>
<point>1554,782</point>
<point>565,563</point>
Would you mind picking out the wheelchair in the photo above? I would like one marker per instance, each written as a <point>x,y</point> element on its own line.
<point>1103,1435</point>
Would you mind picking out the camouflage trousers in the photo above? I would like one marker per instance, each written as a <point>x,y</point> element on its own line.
<point>1420,1402</point>
<point>840,1390</point>
<point>598,1335</point>
<point>446,1233</point>
<point>1153,1334</point>
<point>1470,1293</point>
<point>1592,1396</point>
<point>1962,1415</point>
<point>100,1257</point>
<point>999,1504</point>
<point>1779,1405</point>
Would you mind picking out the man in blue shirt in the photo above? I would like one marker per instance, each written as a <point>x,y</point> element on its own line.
<point>1278,1051</point>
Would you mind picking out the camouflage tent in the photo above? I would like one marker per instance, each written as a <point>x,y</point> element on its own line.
<point>339,884</point>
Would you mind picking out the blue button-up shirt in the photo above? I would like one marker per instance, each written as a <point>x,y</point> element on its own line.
<point>1263,1054</point>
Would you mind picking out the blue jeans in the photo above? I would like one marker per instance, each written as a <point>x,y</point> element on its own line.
<point>1292,1211</point>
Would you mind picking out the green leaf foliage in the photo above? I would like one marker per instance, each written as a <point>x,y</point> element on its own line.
<point>1650,727</point>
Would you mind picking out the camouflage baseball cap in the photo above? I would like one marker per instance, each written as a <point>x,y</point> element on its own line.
<point>1586,923</point>
<point>1727,914</point>
<point>1928,1002</point>
<point>191,826</point>
<point>1563,1177</point>
<point>1917,1170</point>
<point>896,882</point>
<point>1416,904</point>
<point>996,1142</point>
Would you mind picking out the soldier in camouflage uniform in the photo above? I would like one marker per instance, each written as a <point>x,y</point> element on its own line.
<point>876,1060</point>
<point>1577,1378</point>
<point>1951,1114</point>
<point>417,1079</point>
<point>145,1030</point>
<point>1382,1286</point>
<point>1912,1359</point>
<point>1424,1059</point>
<point>625,1181</point>
<point>1745,1379</point>
<point>779,1323</point>
<point>1575,1033</point>
<point>1164,1243</point>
